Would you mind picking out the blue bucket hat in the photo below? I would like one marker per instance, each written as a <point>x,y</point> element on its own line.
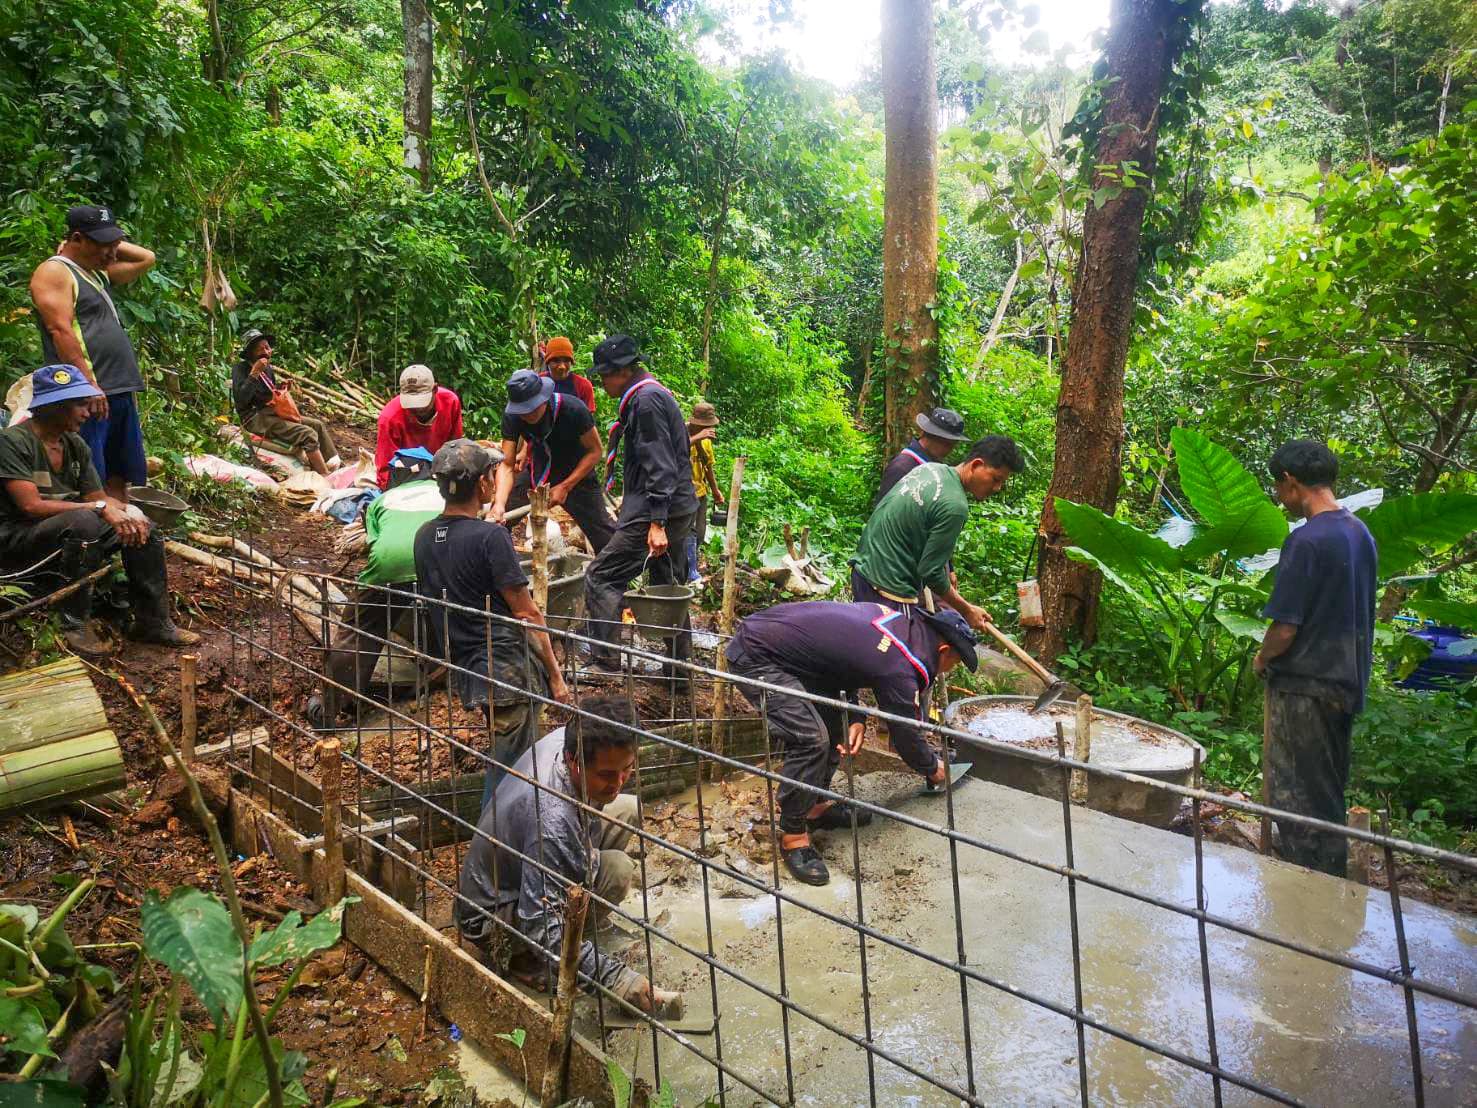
<point>526,391</point>
<point>51,384</point>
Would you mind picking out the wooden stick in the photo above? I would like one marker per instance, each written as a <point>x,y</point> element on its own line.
<point>1265,839</point>
<point>306,613</point>
<point>1359,851</point>
<point>425,993</point>
<point>60,594</point>
<point>556,1068</point>
<point>730,598</point>
<point>538,534</point>
<point>1082,748</point>
<point>329,761</point>
<point>187,723</point>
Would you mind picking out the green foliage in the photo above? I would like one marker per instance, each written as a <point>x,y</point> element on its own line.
<point>192,934</point>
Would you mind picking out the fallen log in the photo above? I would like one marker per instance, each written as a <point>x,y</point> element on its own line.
<point>309,614</point>
<point>301,583</point>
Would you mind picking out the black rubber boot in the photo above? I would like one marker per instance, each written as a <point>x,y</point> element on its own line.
<point>838,818</point>
<point>806,865</point>
<point>149,589</point>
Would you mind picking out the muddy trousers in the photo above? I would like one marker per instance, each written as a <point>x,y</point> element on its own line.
<point>585,505</point>
<point>85,543</point>
<point>809,732</point>
<point>1308,741</point>
<point>609,576</point>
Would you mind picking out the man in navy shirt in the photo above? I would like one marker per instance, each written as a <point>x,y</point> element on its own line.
<point>834,650</point>
<point>1316,655</point>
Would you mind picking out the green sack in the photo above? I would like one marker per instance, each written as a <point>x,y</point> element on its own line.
<point>390,524</point>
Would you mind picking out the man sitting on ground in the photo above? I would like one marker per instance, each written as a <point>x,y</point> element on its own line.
<point>469,562</point>
<point>255,387</point>
<point>908,542</point>
<point>939,432</point>
<point>563,451</point>
<point>534,841</point>
<point>659,506</point>
<point>559,368</point>
<point>834,650</point>
<point>425,414</point>
<point>51,501</point>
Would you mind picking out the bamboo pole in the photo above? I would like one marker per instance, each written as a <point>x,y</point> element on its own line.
<point>187,678</point>
<point>556,1067</point>
<point>62,770</point>
<point>1082,748</point>
<point>308,614</point>
<point>538,535</point>
<point>730,599</point>
<point>1264,841</point>
<point>47,704</point>
<point>329,764</point>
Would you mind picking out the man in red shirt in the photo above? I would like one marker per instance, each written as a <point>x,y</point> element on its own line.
<point>558,367</point>
<point>424,414</point>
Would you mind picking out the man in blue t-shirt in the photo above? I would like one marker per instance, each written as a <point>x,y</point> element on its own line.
<point>1316,655</point>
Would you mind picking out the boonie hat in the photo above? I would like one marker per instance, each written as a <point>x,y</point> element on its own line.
<point>96,223</point>
<point>417,387</point>
<point>952,628</point>
<point>460,464</point>
<point>559,347</point>
<point>526,391</point>
<point>253,336</point>
<point>615,353</point>
<point>704,415</point>
<point>942,423</point>
<point>52,384</point>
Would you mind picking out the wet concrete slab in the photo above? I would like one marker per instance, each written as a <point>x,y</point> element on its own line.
<point>1315,1031</point>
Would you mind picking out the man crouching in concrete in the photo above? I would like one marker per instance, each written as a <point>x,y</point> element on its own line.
<point>525,830</point>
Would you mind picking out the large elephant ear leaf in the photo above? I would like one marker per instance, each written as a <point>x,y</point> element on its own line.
<point>1239,518</point>
<point>191,933</point>
<point>1405,527</point>
<point>1120,545</point>
<point>1077,554</point>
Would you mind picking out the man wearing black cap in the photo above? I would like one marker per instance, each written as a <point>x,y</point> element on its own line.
<point>55,516</point>
<point>563,451</point>
<point>939,432</point>
<point>834,650</point>
<point>469,562</point>
<point>80,327</point>
<point>659,505</point>
<point>255,382</point>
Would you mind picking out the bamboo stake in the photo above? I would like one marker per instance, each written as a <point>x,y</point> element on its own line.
<point>187,678</point>
<point>1359,819</point>
<point>329,763</point>
<point>730,598</point>
<point>60,594</point>
<point>556,1066</point>
<point>1082,748</point>
<point>538,534</point>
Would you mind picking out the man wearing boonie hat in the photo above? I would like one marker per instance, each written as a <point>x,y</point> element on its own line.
<point>834,650</point>
<point>470,563</point>
<point>563,452</point>
<point>425,414</point>
<point>939,431</point>
<point>72,291</point>
<point>255,382</point>
<point>55,515</point>
<point>559,368</point>
<point>702,429</point>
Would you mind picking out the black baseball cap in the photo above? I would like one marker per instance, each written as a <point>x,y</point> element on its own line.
<point>96,223</point>
<point>527,391</point>
<point>942,423</point>
<point>949,625</point>
<point>615,353</point>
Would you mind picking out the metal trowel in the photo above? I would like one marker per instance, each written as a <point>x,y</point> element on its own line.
<point>1055,686</point>
<point>957,772</point>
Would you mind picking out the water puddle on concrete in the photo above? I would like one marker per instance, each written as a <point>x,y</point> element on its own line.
<point>1314,1030</point>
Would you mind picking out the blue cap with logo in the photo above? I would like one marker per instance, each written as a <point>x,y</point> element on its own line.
<point>51,384</point>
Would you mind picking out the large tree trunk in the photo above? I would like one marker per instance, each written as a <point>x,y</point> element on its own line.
<point>419,72</point>
<point>1089,426</point>
<point>910,215</point>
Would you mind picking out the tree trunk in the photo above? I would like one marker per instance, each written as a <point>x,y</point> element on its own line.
<point>910,215</point>
<point>1089,425</point>
<point>215,58</point>
<point>993,335</point>
<point>419,71</point>
<point>1445,93</point>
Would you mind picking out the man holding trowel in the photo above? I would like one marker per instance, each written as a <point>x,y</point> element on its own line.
<point>908,542</point>
<point>1316,656</point>
<point>834,650</point>
<point>939,431</point>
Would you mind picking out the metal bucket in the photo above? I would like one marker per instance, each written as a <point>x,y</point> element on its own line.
<point>161,507</point>
<point>659,605</point>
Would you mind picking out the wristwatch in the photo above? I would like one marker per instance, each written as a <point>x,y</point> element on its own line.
<point>99,506</point>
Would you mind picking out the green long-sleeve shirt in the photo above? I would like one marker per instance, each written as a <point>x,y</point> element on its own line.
<point>910,538</point>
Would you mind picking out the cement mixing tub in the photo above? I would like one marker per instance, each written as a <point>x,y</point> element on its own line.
<point>1118,742</point>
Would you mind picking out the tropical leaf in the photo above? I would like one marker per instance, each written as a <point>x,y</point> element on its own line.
<point>191,933</point>
<point>45,1092</point>
<point>1242,626</point>
<point>1218,486</point>
<point>21,1028</point>
<point>1448,613</point>
<point>1077,554</point>
<point>1120,545</point>
<point>292,939</point>
<point>620,1083</point>
<point>1404,527</point>
<point>17,920</point>
<point>1263,527</point>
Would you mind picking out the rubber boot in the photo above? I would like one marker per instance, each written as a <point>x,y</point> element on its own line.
<point>148,588</point>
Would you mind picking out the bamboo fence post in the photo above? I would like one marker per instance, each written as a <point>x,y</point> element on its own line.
<point>329,761</point>
<point>730,600</point>
<point>556,1065</point>
<point>187,721</point>
<point>538,533</point>
<point>1082,748</point>
<point>1359,818</point>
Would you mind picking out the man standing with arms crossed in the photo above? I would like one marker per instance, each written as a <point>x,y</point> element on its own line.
<point>80,326</point>
<point>1316,655</point>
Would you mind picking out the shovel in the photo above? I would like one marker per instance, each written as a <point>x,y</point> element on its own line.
<point>1055,686</point>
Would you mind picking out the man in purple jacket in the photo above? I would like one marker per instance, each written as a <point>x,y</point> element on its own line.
<point>834,650</point>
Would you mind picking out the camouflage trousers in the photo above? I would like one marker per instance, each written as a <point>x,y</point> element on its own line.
<point>1306,771</point>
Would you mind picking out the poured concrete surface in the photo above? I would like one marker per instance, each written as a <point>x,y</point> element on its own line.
<point>1317,1032</point>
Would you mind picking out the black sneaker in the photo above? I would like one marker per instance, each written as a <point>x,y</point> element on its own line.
<point>807,865</point>
<point>838,818</point>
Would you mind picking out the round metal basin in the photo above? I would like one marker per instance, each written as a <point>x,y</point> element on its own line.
<point>161,507</point>
<point>1118,742</point>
